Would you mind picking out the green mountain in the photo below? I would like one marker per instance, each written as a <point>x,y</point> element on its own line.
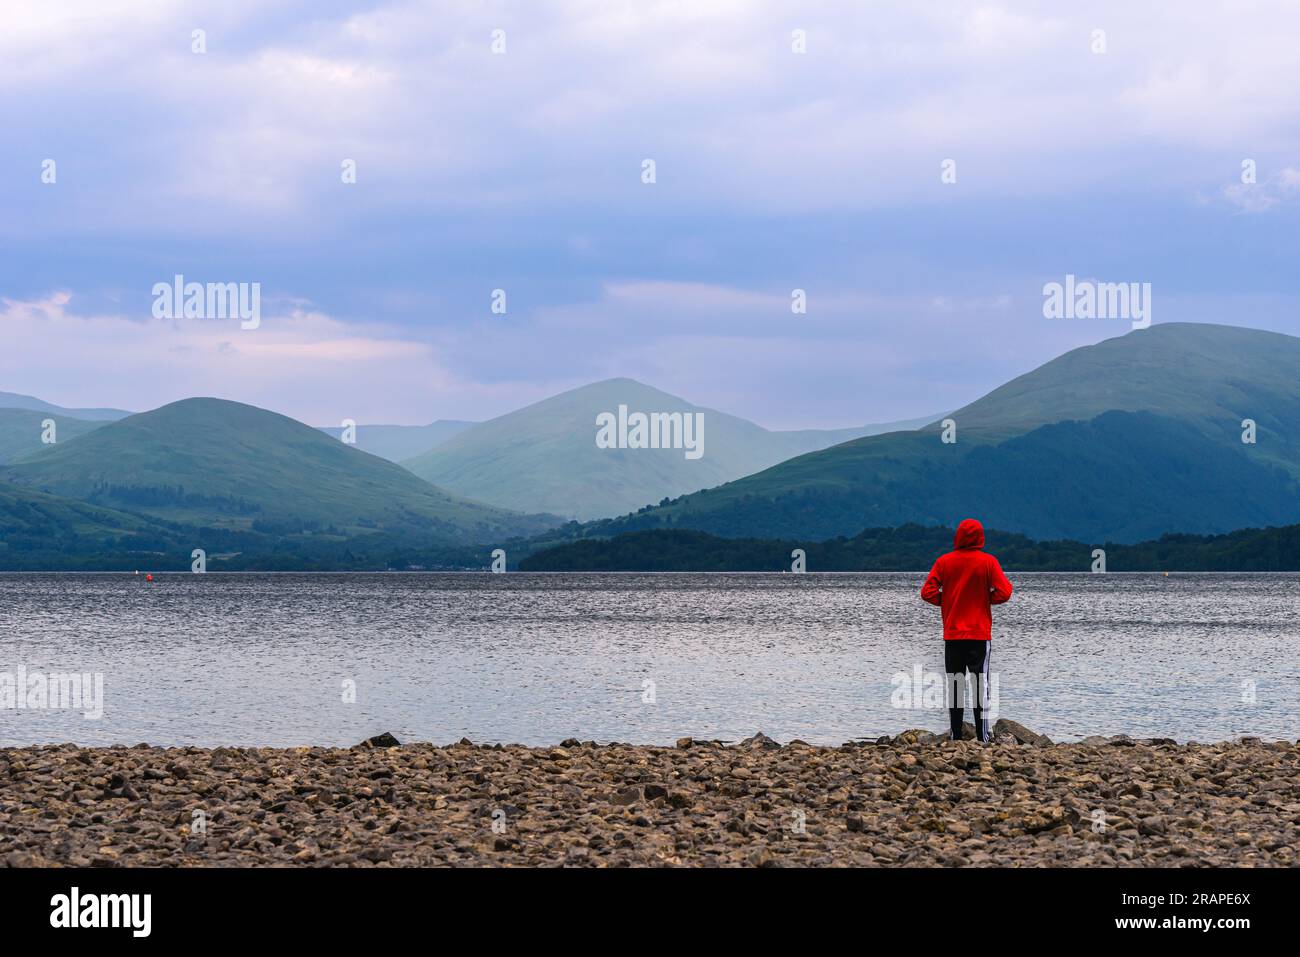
<point>544,458</point>
<point>232,466</point>
<point>1124,440</point>
<point>21,431</point>
<point>1196,372</point>
<point>39,531</point>
<point>14,400</point>
<point>398,442</point>
<point>25,511</point>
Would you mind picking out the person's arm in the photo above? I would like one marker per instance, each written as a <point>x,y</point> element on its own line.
<point>932,590</point>
<point>1000,586</point>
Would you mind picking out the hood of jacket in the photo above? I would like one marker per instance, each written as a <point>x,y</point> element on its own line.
<point>970,534</point>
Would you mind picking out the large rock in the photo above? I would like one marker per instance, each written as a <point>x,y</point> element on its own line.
<point>967,733</point>
<point>914,736</point>
<point>1019,732</point>
<point>385,740</point>
<point>627,797</point>
<point>759,741</point>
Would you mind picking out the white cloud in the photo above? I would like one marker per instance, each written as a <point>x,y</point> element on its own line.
<point>587,89</point>
<point>1265,194</point>
<point>301,363</point>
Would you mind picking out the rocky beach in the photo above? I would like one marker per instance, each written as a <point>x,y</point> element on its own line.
<point>914,799</point>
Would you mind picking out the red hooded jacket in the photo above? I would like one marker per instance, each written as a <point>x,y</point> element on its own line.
<point>965,583</point>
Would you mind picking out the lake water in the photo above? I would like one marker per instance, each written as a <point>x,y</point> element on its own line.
<point>266,659</point>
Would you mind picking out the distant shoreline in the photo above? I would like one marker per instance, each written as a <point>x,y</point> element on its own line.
<point>914,548</point>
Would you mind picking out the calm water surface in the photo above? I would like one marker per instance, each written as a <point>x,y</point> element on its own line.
<point>261,659</point>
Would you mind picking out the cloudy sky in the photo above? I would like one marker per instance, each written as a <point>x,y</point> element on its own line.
<point>522,170</point>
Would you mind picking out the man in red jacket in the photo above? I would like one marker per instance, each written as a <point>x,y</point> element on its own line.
<point>965,584</point>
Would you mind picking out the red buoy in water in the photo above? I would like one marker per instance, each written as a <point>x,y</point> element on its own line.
<point>148,578</point>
